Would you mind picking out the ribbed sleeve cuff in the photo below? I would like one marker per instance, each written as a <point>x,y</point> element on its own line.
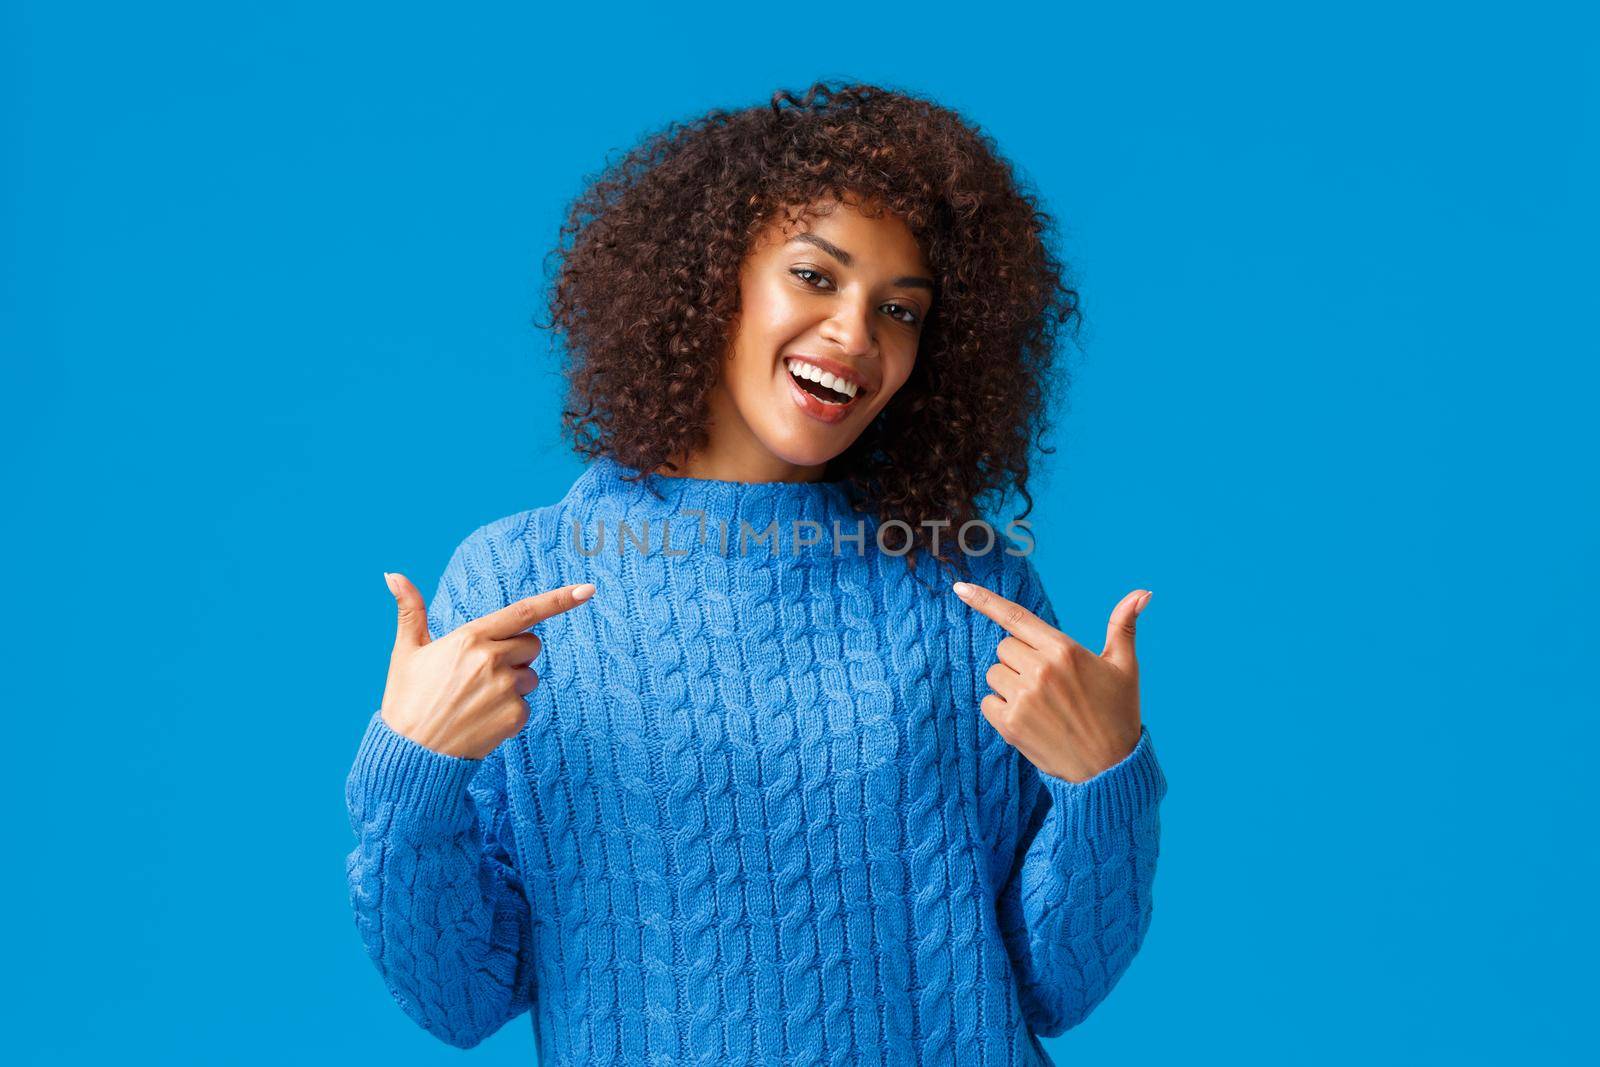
<point>422,787</point>
<point>1117,795</point>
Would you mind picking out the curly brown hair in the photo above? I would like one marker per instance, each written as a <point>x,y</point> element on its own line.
<point>648,284</point>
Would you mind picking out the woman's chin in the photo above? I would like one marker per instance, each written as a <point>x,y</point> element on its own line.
<point>801,445</point>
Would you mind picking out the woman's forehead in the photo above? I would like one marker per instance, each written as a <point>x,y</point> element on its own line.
<point>845,227</point>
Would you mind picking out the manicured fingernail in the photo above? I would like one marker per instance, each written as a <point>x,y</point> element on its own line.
<point>1145,600</point>
<point>962,589</point>
<point>583,592</point>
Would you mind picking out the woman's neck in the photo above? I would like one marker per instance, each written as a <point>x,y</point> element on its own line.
<point>733,452</point>
<point>745,465</point>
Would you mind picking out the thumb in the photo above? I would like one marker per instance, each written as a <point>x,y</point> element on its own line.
<point>1120,631</point>
<point>411,629</point>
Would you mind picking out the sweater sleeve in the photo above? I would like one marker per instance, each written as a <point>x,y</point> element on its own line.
<point>433,880</point>
<point>1079,901</point>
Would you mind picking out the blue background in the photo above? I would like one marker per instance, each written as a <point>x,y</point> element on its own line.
<point>269,271</point>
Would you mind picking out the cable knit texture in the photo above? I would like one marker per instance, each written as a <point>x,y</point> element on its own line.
<point>756,815</point>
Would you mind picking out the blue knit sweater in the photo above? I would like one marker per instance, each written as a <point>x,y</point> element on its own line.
<point>756,814</point>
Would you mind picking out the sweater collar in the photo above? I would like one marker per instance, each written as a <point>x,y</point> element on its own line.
<point>614,491</point>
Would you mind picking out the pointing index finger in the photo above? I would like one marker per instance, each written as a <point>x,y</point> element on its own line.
<point>516,617</point>
<point>1015,619</point>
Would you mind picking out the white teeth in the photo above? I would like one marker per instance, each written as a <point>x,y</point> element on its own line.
<point>810,372</point>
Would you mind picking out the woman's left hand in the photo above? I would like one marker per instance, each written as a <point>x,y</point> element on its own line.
<point>1072,713</point>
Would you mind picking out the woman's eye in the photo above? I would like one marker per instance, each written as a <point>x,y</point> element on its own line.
<point>911,319</point>
<point>807,270</point>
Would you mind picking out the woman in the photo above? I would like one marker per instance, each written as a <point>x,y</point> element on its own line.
<point>772,795</point>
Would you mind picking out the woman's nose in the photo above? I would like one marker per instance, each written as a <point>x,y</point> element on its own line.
<point>851,330</point>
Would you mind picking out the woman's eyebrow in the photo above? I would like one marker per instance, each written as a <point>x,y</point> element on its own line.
<point>911,281</point>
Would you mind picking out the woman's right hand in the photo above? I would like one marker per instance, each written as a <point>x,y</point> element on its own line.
<point>463,694</point>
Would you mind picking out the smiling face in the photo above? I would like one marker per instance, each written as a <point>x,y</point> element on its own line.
<point>838,296</point>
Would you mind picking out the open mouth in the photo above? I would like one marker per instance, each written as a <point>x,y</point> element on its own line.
<point>822,385</point>
<point>823,393</point>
